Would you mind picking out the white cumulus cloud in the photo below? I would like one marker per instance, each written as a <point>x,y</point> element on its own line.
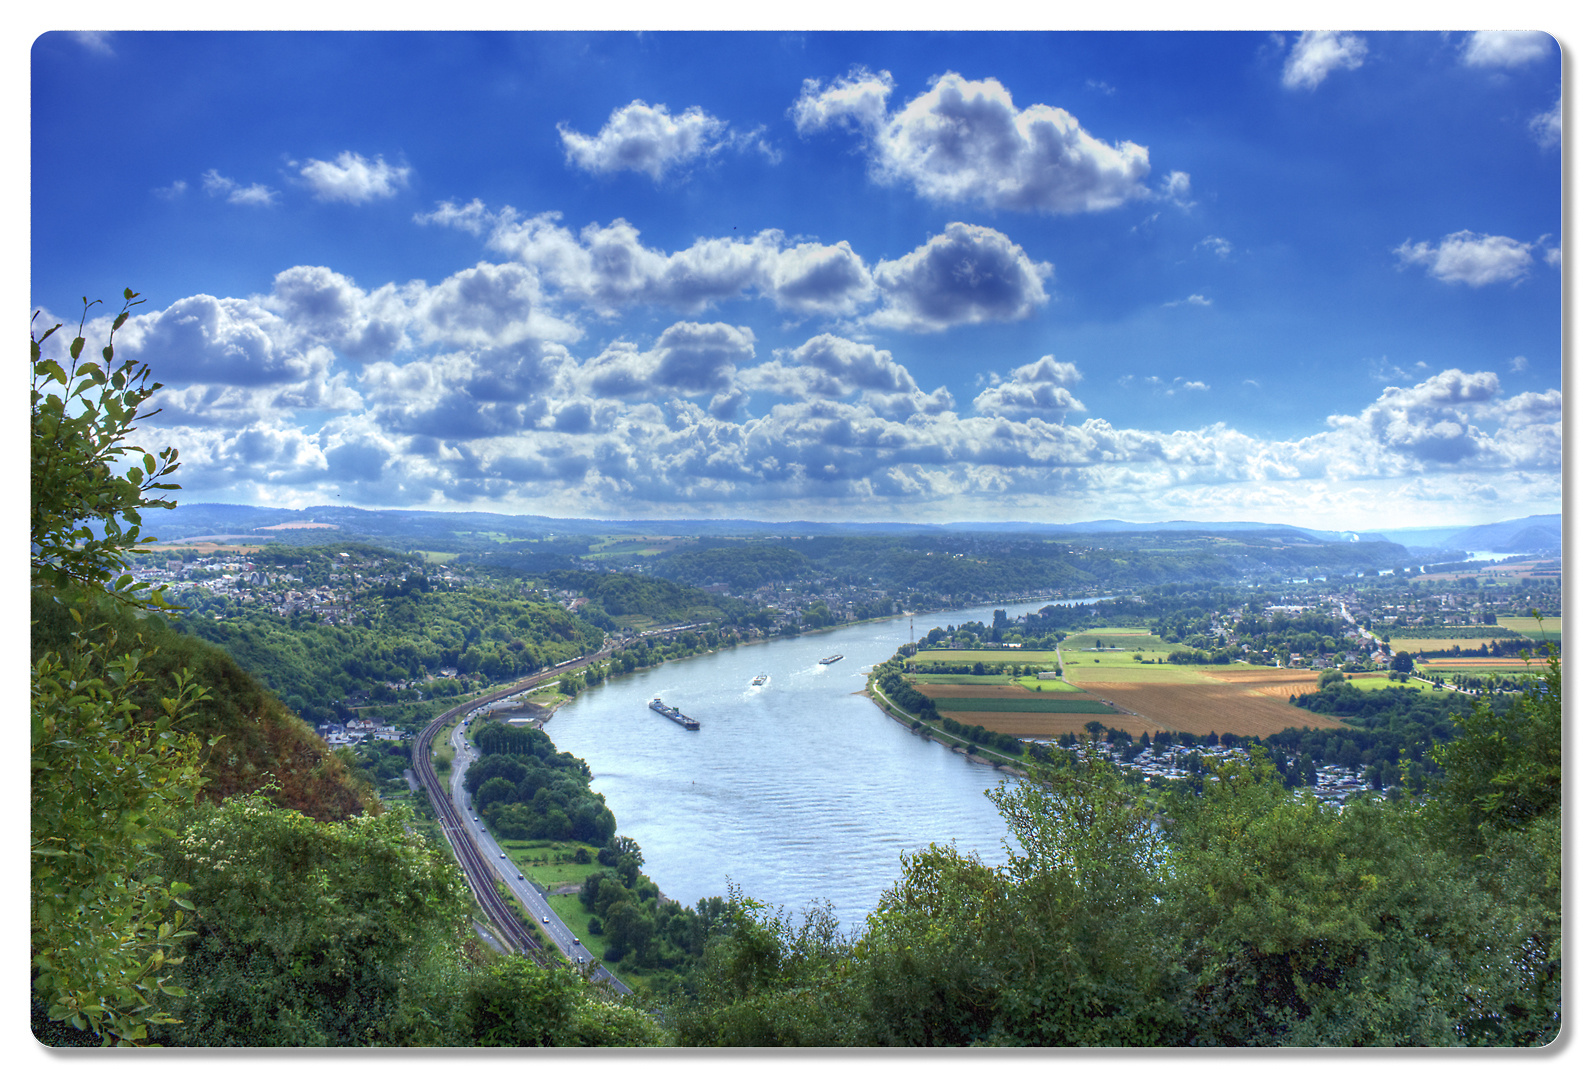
<point>1546,126</point>
<point>1318,53</point>
<point>1040,389</point>
<point>645,138</point>
<point>352,178</point>
<point>1470,258</point>
<point>250,195</point>
<point>966,141</point>
<point>1506,48</point>
<point>967,274</point>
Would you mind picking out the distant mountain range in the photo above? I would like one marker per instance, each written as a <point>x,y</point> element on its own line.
<point>213,520</point>
<point>1541,532</point>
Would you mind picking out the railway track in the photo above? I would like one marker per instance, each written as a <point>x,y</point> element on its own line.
<point>478,871</point>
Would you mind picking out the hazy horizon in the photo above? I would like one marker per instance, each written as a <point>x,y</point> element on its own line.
<point>1306,279</point>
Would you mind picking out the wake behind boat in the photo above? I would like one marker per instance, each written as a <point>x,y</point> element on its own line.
<point>658,706</point>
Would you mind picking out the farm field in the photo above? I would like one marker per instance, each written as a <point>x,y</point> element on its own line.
<point>1084,671</point>
<point>1529,627</point>
<point>1208,706</point>
<point>1127,640</point>
<point>1417,645</point>
<point>1243,700</point>
<point>988,656</point>
<point>1473,664</point>
<point>1052,725</point>
<point>1034,703</point>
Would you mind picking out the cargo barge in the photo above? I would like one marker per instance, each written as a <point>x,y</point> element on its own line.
<point>831,659</point>
<point>658,706</point>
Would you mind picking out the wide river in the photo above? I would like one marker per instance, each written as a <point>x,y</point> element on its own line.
<point>798,790</point>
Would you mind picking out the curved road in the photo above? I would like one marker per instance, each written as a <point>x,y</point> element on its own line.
<point>479,855</point>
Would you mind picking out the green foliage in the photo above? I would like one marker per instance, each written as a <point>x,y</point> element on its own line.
<point>102,776</point>
<point>86,501</point>
<point>313,933</point>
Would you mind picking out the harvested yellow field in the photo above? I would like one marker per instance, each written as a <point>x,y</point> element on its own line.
<point>1270,682</point>
<point>1207,706</point>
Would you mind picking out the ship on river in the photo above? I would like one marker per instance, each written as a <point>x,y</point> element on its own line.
<point>658,706</point>
<point>761,680</point>
<point>831,659</point>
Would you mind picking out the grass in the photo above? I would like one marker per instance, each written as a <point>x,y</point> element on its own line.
<point>1029,682</point>
<point>963,680</point>
<point>1138,641</point>
<point>1528,626</point>
<point>987,656</point>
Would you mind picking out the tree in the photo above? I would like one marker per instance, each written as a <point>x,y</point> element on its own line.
<point>103,773</point>
<point>86,501</point>
<point>314,933</point>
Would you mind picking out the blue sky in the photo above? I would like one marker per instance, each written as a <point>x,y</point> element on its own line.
<point>1310,278</point>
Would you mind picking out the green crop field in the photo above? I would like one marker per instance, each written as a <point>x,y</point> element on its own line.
<point>1029,682</point>
<point>963,680</point>
<point>1529,627</point>
<point>986,656</point>
<point>1036,703</point>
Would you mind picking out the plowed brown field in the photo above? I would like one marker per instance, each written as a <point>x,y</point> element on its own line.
<point>1199,707</point>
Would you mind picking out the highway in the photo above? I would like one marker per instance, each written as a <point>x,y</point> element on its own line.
<point>479,855</point>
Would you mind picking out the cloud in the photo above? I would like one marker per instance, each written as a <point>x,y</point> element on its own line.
<point>1193,300</point>
<point>965,141</point>
<point>1469,258</point>
<point>1506,48</point>
<point>95,41</point>
<point>253,195</point>
<point>1519,363</point>
<point>1176,189</point>
<point>172,191</point>
<point>1428,422</point>
<point>1217,245</point>
<point>479,414</point>
<point>647,139</point>
<point>353,178</point>
<point>687,359</point>
<point>487,305</point>
<point>1317,53</point>
<point>856,101</point>
<point>1546,126</point>
<point>968,274</point>
<point>203,339</point>
<point>1040,389</point>
<point>607,267</point>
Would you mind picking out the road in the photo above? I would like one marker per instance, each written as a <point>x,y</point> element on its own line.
<point>479,855</point>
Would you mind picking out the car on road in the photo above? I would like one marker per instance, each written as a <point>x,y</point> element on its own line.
<point>545,918</point>
<point>501,855</point>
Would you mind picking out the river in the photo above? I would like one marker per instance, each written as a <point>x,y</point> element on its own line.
<point>798,790</point>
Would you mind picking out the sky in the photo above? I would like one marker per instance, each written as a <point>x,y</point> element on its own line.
<point>1311,278</point>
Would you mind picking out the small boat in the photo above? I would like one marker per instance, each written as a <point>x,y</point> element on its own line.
<point>831,659</point>
<point>761,680</point>
<point>658,706</point>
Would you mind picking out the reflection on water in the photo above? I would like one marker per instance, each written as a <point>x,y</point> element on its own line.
<point>796,790</point>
